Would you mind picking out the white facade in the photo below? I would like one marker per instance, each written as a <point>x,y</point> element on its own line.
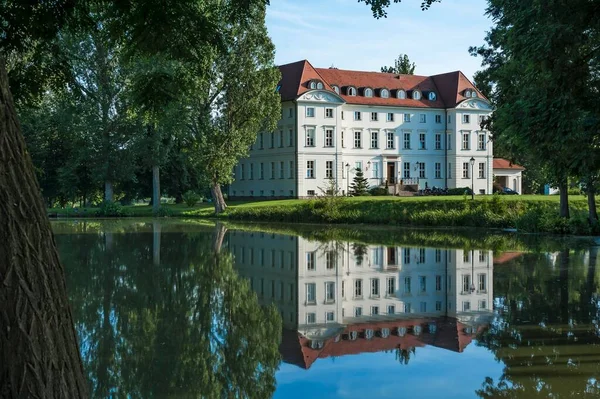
<point>320,135</point>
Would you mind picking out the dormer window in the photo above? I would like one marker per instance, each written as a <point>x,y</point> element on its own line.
<point>336,89</point>
<point>416,95</point>
<point>468,94</point>
<point>432,96</point>
<point>474,94</point>
<point>312,85</point>
<point>368,92</point>
<point>401,94</point>
<point>385,93</point>
<point>319,85</point>
<point>351,91</point>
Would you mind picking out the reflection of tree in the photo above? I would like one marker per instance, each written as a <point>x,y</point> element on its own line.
<point>404,355</point>
<point>545,332</point>
<point>359,250</point>
<point>186,327</point>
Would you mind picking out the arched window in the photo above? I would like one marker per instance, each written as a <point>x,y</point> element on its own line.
<point>385,93</point>
<point>432,96</point>
<point>319,85</point>
<point>416,95</point>
<point>313,85</point>
<point>368,92</point>
<point>401,94</point>
<point>351,91</point>
<point>401,331</point>
<point>473,94</point>
<point>336,89</point>
<point>417,330</point>
<point>468,93</point>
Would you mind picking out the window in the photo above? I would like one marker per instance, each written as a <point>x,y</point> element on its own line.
<point>351,91</point>
<point>374,116</point>
<point>261,173</point>
<point>406,170</point>
<point>368,92</point>
<point>319,85</point>
<point>357,311</point>
<point>241,171</point>
<point>432,96</point>
<point>438,255</point>
<point>438,119</point>
<point>357,288</point>
<point>407,307</point>
<point>422,284</point>
<point>465,170</point>
<point>466,118</point>
<point>281,139</point>
<point>391,286</point>
<point>407,141</point>
<point>313,85</point>
<point>251,171</point>
<point>261,140</point>
<point>291,138</point>
<point>482,119</point>
<point>449,118</point>
<point>449,171</point>
<point>328,137</point>
<point>343,140</point>
<point>281,169</point>
<point>310,137</point>
<point>310,169</point>
<point>406,117</point>
<point>466,283</point>
<point>311,293</point>
<point>391,309</point>
<point>358,165</point>
<point>481,142</point>
<point>422,118</point>
<point>421,169</point>
<point>310,193</point>
<point>374,310</point>
<point>291,169</point>
<point>438,141</point>
<point>390,141</point>
<point>328,112</point>
<point>438,306</point>
<point>330,260</point>
<point>438,283</point>
<point>375,287</point>
<point>482,256</point>
<point>329,169</point>
<point>407,285</point>
<point>290,112</point>
<point>466,256</point>
<point>416,95</point>
<point>481,170</point>
<point>401,94</point>
<point>390,117</point>
<point>357,116</point>
<point>374,139</point>
<point>422,141</point>
<point>310,260</point>
<point>330,291</point>
<point>449,144</point>
<point>384,93</point>
<point>465,142</point>
<point>357,139</point>
<point>375,169</point>
<point>438,170</point>
<point>329,317</point>
<point>423,307</point>
<point>311,318</point>
<point>310,112</point>
<point>482,283</point>
<point>466,306</point>
<point>468,94</point>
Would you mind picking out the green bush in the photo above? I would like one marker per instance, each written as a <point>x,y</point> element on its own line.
<point>112,209</point>
<point>191,198</point>
<point>379,191</point>
<point>163,211</point>
<point>459,191</point>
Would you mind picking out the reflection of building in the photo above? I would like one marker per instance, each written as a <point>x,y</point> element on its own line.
<point>343,298</point>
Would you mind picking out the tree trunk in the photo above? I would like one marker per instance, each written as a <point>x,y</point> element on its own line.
<point>156,230</point>
<point>155,188</point>
<point>38,344</point>
<point>219,236</point>
<point>591,197</point>
<point>218,199</point>
<point>564,199</point>
<point>108,191</point>
<point>564,265</point>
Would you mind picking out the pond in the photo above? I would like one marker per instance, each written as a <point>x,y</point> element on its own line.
<point>188,309</point>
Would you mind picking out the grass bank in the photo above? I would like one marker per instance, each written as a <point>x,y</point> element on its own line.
<point>535,214</point>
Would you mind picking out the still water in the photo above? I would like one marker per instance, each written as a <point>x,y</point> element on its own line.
<point>188,309</point>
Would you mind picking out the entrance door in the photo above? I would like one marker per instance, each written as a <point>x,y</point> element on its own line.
<point>391,256</point>
<point>391,172</point>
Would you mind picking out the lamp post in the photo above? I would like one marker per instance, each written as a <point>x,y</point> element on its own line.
<point>472,272</point>
<point>347,178</point>
<point>472,160</point>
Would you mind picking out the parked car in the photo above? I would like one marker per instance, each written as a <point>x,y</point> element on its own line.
<point>508,191</point>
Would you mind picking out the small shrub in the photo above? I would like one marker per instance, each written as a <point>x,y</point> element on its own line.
<point>111,209</point>
<point>459,191</point>
<point>163,211</point>
<point>379,191</point>
<point>191,198</point>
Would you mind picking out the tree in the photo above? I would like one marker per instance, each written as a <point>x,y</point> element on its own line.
<point>402,66</point>
<point>360,184</point>
<point>379,6</point>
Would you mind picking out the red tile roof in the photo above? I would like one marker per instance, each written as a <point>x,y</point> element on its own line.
<point>449,87</point>
<point>501,163</point>
<point>506,257</point>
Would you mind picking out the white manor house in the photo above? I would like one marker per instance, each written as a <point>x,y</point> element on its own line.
<point>400,130</point>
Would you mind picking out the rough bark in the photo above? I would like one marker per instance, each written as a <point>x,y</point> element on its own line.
<point>155,188</point>
<point>564,199</point>
<point>39,354</point>
<point>108,191</point>
<point>217,197</point>
<point>591,197</point>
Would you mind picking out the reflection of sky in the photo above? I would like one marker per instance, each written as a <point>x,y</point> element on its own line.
<point>430,373</point>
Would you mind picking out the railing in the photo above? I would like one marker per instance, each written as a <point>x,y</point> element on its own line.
<point>410,181</point>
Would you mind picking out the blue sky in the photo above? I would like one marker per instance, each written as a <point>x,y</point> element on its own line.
<point>433,373</point>
<point>344,33</point>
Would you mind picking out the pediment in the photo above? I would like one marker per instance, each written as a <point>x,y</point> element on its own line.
<point>475,104</point>
<point>321,96</point>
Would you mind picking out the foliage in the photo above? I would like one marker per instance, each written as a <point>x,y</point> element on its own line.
<point>402,66</point>
<point>379,6</point>
<point>360,184</point>
<point>459,191</point>
<point>112,209</point>
<point>379,191</point>
<point>191,198</point>
<point>163,212</point>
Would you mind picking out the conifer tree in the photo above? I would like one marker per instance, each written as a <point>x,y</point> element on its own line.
<point>360,184</point>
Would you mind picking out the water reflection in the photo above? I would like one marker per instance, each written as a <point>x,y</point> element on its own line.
<point>171,309</point>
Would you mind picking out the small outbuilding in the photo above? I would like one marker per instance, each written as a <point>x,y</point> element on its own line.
<point>508,174</point>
